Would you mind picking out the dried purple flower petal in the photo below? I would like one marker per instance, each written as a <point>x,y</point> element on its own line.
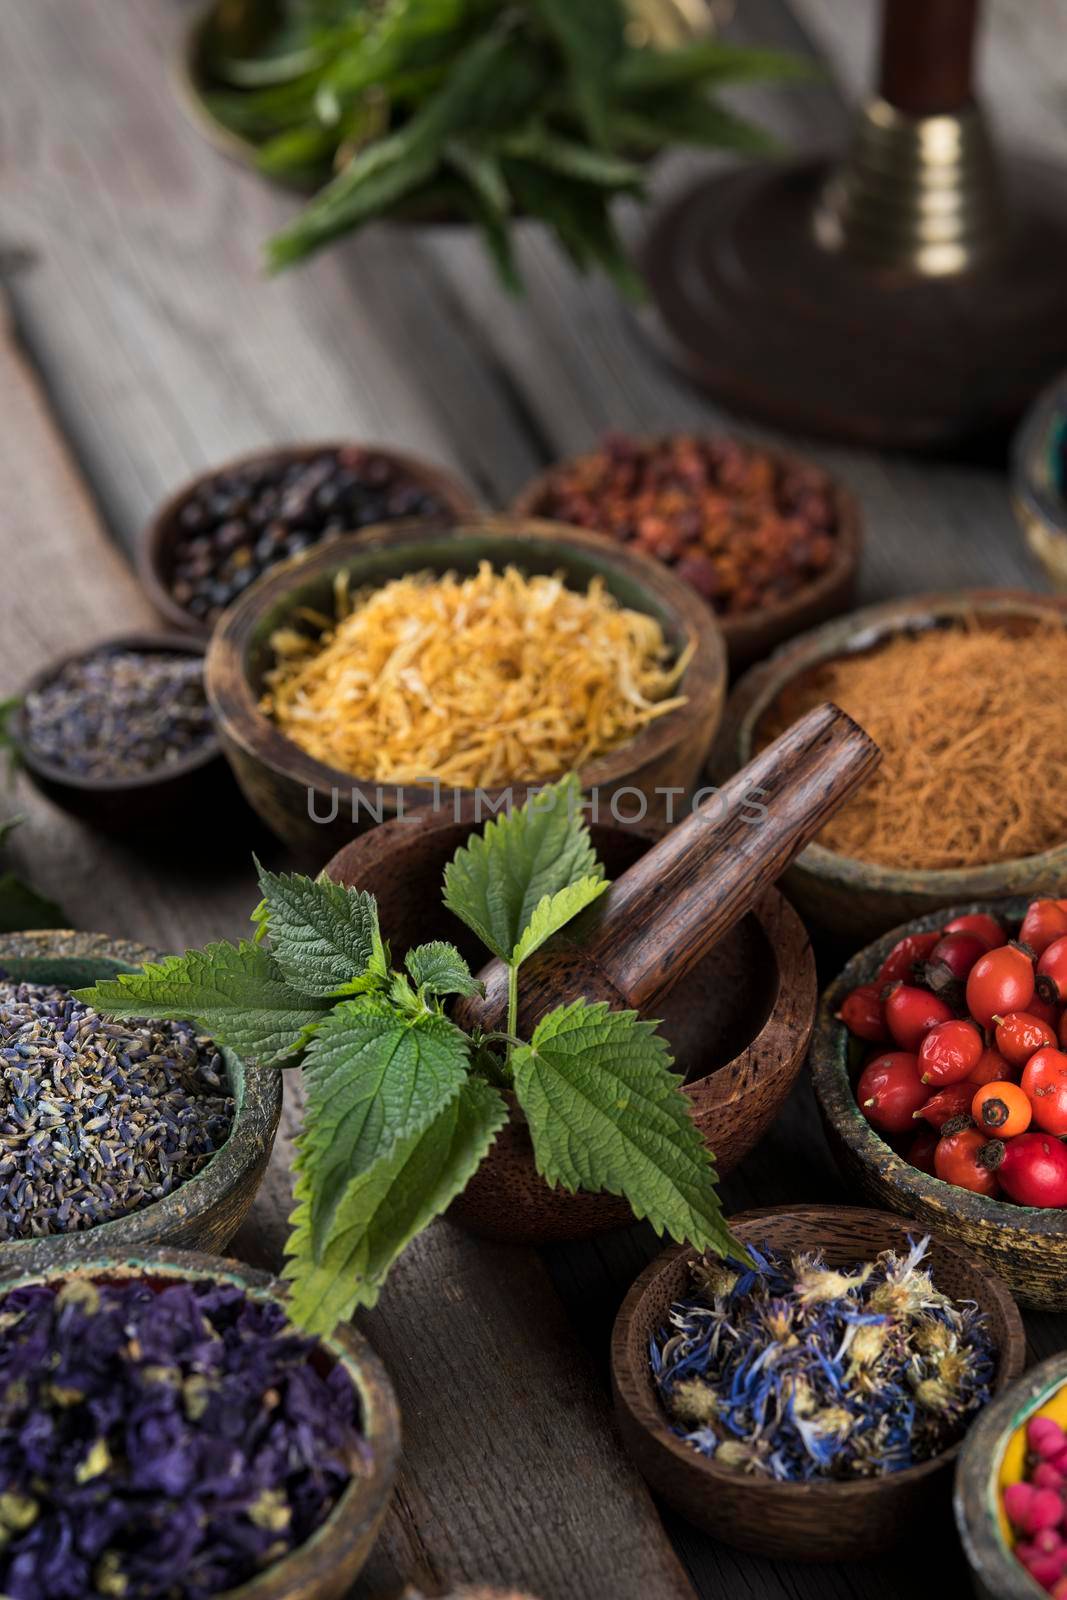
<point>162,1443</point>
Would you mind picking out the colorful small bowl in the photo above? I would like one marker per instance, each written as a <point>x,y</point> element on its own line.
<point>155,549</point>
<point>995,1571</point>
<point>1039,480</point>
<point>317,809</point>
<point>853,899</point>
<point>204,1212</point>
<point>821,1521</point>
<point>143,806</point>
<point>1026,1245</point>
<point>327,1564</point>
<point>749,637</point>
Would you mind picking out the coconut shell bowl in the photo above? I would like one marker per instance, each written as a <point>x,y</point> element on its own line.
<point>160,538</point>
<point>690,933</point>
<point>750,635</point>
<point>204,1212</point>
<point>822,1521</point>
<point>993,1456</point>
<point>1025,1245</point>
<point>326,1565</point>
<point>855,899</point>
<point>144,805</point>
<point>290,789</point>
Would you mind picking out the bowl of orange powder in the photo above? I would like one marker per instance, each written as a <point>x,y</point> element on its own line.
<point>964,695</point>
<point>411,663</point>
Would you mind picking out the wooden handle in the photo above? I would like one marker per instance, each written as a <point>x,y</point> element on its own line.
<point>927,63</point>
<point>660,918</point>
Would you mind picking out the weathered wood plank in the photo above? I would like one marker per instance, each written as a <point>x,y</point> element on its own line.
<point>512,1472</point>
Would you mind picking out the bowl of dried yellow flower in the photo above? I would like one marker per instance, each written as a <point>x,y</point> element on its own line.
<point>405,665</point>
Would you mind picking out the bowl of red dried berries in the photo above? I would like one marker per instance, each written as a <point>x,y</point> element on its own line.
<point>769,540</point>
<point>227,527</point>
<point>939,1069</point>
<point>172,1435</point>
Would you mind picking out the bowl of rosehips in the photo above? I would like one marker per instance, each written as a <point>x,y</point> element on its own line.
<point>939,1063</point>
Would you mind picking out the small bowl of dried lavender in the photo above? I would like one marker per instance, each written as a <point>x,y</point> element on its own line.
<point>809,1404</point>
<point>220,532</point>
<point>166,1432</point>
<point>116,1135</point>
<point>121,735</point>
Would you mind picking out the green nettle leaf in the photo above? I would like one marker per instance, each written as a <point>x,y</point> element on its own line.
<point>591,38</point>
<point>21,907</point>
<point>573,160</point>
<point>438,968</point>
<point>374,1077</point>
<point>322,934</point>
<point>236,993</point>
<point>707,62</point>
<point>606,1113</point>
<point>554,912</point>
<point>498,879</point>
<point>383,1209</point>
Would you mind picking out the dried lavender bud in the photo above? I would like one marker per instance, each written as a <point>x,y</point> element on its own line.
<point>162,1443</point>
<point>236,525</point>
<point>794,1370</point>
<point>98,1119</point>
<point>120,714</point>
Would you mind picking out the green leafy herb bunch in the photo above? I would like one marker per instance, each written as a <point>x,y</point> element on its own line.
<point>482,109</point>
<point>402,1104</point>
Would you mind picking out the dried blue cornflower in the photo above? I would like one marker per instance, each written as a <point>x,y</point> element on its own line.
<point>162,1443</point>
<point>792,1369</point>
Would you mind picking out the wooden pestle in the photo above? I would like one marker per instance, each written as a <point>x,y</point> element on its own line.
<point>662,916</point>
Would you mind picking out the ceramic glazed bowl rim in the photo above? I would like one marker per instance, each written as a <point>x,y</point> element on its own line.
<point>870,626</point>
<point>847,539</point>
<point>979,1465</point>
<point>153,571</point>
<point>829,1075</point>
<point>362,1497</point>
<point>259,1102</point>
<point>148,643</point>
<point>649,1415</point>
<point>1035,493</point>
<point>235,703</point>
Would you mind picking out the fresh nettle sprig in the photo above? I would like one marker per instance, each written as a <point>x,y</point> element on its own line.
<point>402,1104</point>
<point>483,109</point>
<point>21,906</point>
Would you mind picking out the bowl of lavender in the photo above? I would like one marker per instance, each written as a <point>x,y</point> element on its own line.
<point>121,735</point>
<point>809,1404</point>
<point>116,1136</point>
<point>166,1432</point>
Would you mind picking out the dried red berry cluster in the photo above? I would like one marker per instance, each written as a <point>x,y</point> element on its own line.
<point>744,529</point>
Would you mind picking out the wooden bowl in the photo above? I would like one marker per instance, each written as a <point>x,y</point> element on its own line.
<point>204,1212</point>
<point>738,1026</point>
<point>750,637</point>
<point>856,899</point>
<point>997,1575</point>
<point>325,1566</point>
<point>821,1521</point>
<point>155,549</point>
<point>291,790</point>
<point>1026,1245</point>
<point>198,785</point>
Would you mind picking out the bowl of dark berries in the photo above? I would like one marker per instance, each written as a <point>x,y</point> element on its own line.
<point>229,526</point>
<point>770,541</point>
<point>940,1069</point>
<point>809,1403</point>
<point>116,1135</point>
<point>121,735</point>
<point>168,1433</point>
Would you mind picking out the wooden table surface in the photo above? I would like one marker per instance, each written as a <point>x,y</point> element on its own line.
<point>142,343</point>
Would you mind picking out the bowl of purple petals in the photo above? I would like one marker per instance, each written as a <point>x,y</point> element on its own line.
<point>121,735</point>
<point>167,1434</point>
<point>808,1403</point>
<point>116,1136</point>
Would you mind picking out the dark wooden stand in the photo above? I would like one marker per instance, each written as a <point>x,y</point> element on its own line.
<point>758,309</point>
